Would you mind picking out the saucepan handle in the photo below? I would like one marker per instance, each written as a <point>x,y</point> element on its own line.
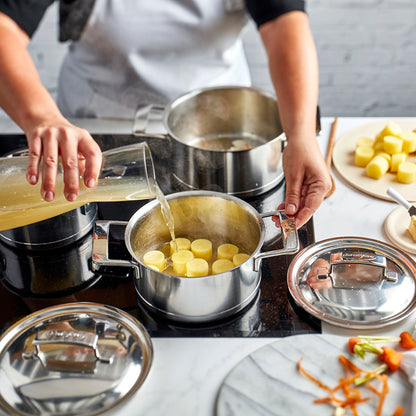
<point>145,117</point>
<point>289,236</point>
<point>100,256</point>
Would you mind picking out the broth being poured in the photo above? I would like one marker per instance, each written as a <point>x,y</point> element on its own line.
<point>127,174</point>
<point>167,214</point>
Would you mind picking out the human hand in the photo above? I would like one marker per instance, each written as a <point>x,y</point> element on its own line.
<point>307,180</point>
<point>80,155</point>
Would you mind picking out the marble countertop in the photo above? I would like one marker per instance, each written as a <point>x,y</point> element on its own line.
<point>187,373</point>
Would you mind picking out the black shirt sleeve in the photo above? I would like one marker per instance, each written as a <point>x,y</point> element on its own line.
<point>26,13</point>
<point>263,11</point>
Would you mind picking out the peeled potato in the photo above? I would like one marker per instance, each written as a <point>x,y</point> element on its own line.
<point>197,267</point>
<point>155,259</point>
<point>240,258</point>
<point>378,146</point>
<point>364,141</point>
<point>181,244</point>
<point>409,141</point>
<point>226,251</point>
<point>386,156</point>
<point>179,260</point>
<point>377,167</point>
<point>221,265</point>
<point>412,227</point>
<point>392,144</point>
<point>363,155</point>
<point>391,129</point>
<point>202,248</point>
<point>406,172</point>
<point>396,160</point>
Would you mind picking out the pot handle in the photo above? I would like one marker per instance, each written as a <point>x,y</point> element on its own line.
<point>100,255</point>
<point>145,117</point>
<point>289,235</point>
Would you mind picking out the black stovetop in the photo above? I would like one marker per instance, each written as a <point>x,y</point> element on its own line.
<point>34,280</point>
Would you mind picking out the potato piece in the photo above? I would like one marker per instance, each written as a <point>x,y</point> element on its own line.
<point>391,129</point>
<point>364,141</point>
<point>363,155</point>
<point>386,156</point>
<point>181,244</point>
<point>221,265</point>
<point>227,251</point>
<point>377,167</point>
<point>202,248</point>
<point>409,141</point>
<point>406,172</point>
<point>240,258</point>
<point>179,260</point>
<point>155,259</point>
<point>412,227</point>
<point>392,144</point>
<point>197,267</point>
<point>396,160</point>
<point>378,146</point>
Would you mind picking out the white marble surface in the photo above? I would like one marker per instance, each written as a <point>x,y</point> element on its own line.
<point>268,382</point>
<point>187,373</point>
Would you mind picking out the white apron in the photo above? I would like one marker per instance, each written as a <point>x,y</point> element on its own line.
<point>138,52</point>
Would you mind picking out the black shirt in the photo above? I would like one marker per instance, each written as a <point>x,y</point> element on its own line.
<point>73,14</point>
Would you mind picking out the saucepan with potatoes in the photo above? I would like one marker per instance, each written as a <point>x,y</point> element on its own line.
<point>212,269</point>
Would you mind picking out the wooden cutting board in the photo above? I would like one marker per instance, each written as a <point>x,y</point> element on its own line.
<point>267,381</point>
<point>395,227</point>
<point>343,159</point>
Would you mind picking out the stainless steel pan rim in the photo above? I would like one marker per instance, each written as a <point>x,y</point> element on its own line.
<point>142,212</point>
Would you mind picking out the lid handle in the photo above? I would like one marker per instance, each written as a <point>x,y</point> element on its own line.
<point>49,351</point>
<point>349,270</point>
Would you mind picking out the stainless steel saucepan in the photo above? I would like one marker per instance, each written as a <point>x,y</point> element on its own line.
<point>197,214</point>
<point>227,139</point>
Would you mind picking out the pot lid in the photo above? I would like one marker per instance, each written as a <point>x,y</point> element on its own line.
<point>72,359</point>
<point>353,282</point>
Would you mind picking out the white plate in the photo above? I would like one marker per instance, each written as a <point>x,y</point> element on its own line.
<point>343,159</point>
<point>267,382</point>
<point>395,227</point>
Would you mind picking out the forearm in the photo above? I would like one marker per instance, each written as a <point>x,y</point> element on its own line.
<point>293,68</point>
<point>22,94</point>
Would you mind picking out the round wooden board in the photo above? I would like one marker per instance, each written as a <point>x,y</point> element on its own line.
<point>343,159</point>
<point>395,227</point>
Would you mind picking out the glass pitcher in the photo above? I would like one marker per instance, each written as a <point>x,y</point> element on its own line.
<point>127,173</point>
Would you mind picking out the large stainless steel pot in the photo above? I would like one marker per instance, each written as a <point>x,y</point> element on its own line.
<point>201,125</point>
<point>34,274</point>
<point>54,232</point>
<point>197,214</point>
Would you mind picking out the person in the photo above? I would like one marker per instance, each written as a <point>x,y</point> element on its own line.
<point>126,54</point>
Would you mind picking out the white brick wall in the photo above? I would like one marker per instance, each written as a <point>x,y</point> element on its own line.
<point>366,50</point>
<point>367,55</point>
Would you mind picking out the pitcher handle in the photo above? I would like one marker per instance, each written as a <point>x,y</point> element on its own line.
<point>100,256</point>
<point>289,235</point>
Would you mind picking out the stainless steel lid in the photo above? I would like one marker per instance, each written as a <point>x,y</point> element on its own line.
<point>354,282</point>
<point>73,359</point>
